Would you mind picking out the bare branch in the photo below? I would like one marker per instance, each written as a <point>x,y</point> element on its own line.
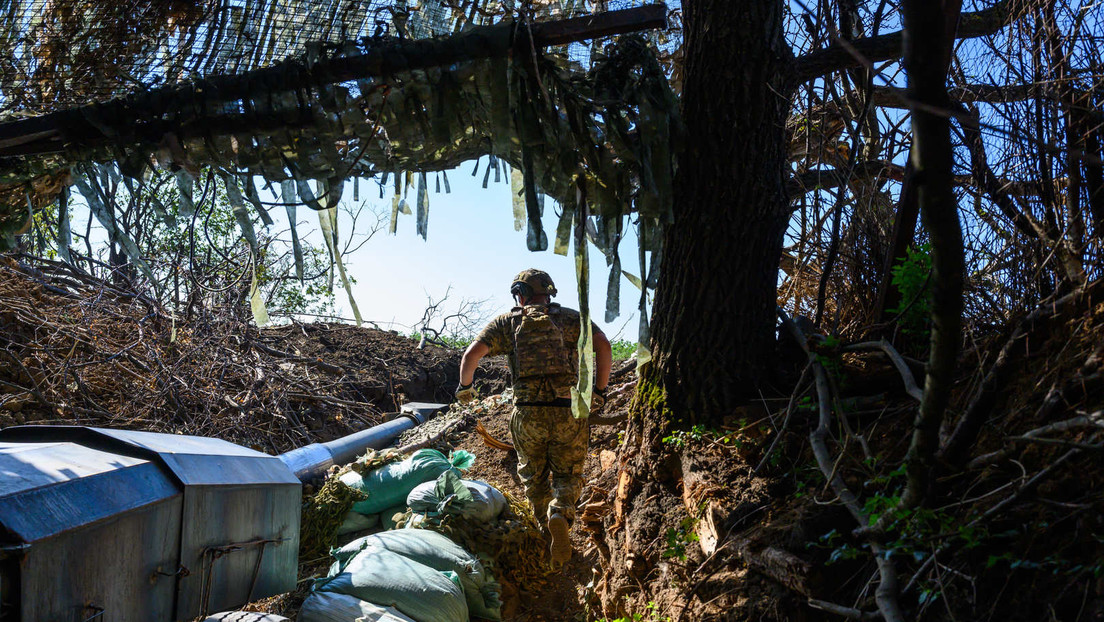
<point>894,97</point>
<point>902,367</point>
<point>847,612</point>
<point>842,55</point>
<point>1094,420</point>
<point>956,450</point>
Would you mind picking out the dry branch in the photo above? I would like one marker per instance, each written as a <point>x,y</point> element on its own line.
<point>333,369</point>
<point>93,355</point>
<point>1095,419</point>
<point>898,361</point>
<point>847,612</point>
<point>886,594</point>
<point>843,54</point>
<point>782,566</point>
<point>955,451</point>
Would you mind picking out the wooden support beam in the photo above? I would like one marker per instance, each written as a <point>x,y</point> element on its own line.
<point>600,25</point>
<point>83,126</point>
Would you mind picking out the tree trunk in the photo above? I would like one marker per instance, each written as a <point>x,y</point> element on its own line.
<point>716,299</point>
<point>715,304</point>
<point>929,37</point>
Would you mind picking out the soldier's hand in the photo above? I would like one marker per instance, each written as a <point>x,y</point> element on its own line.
<point>465,393</point>
<point>598,399</point>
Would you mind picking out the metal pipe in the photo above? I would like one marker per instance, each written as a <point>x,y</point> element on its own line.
<point>315,459</point>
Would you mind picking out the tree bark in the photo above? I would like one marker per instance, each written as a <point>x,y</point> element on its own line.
<point>715,304</point>
<point>716,298</point>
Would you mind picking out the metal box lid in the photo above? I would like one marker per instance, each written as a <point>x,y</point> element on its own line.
<point>233,532</point>
<point>193,460</point>
<point>47,488</point>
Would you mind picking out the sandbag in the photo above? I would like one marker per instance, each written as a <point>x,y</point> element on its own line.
<point>389,485</point>
<point>391,580</point>
<point>436,551</point>
<point>355,521</point>
<point>333,607</point>
<point>473,499</point>
<point>387,517</point>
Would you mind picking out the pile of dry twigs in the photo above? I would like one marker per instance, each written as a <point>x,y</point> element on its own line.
<point>74,349</point>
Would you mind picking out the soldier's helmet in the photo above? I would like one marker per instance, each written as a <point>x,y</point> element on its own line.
<point>531,283</point>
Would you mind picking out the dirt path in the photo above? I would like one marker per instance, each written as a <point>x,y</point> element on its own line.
<point>561,596</point>
<point>558,598</point>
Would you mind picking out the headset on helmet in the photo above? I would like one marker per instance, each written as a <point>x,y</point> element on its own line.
<point>531,283</point>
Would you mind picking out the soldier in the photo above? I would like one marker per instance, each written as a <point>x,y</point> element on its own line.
<point>538,337</point>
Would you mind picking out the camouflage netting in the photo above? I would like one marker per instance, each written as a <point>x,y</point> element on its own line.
<point>65,53</point>
<point>325,510</point>
<point>303,96</point>
<point>552,123</point>
<point>326,91</point>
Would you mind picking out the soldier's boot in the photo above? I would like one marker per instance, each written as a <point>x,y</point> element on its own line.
<point>540,512</point>
<point>561,539</point>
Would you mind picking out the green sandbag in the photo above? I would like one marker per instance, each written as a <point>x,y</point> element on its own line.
<point>389,485</point>
<point>439,552</point>
<point>391,580</point>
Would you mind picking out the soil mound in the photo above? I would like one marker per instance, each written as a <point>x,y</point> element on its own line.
<point>76,350</point>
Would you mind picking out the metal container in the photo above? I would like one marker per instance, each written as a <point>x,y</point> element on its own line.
<point>69,512</point>
<point>114,525</point>
<point>120,525</point>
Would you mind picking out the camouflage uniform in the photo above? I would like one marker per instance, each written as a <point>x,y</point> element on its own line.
<point>548,439</point>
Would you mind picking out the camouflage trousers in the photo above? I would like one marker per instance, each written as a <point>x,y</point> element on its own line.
<point>550,443</point>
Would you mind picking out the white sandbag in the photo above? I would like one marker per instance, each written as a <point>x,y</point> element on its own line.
<point>449,494</point>
<point>355,521</point>
<point>331,607</point>
<point>391,580</point>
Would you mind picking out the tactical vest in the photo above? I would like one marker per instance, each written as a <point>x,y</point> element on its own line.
<point>540,349</point>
